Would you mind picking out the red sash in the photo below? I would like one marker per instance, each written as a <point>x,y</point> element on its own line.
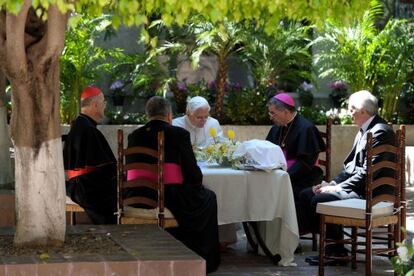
<point>78,172</point>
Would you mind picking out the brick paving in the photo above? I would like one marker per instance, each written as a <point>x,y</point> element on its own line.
<point>147,251</point>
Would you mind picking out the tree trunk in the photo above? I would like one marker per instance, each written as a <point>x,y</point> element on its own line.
<point>6,174</point>
<point>221,87</point>
<point>31,48</point>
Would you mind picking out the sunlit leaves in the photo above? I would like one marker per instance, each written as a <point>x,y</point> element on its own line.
<point>13,6</point>
<point>265,12</point>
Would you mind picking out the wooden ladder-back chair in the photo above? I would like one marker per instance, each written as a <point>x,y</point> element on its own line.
<point>373,212</point>
<point>72,208</point>
<point>403,195</point>
<point>152,211</point>
<point>324,161</point>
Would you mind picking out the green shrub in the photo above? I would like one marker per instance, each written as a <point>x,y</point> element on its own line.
<point>121,118</point>
<point>316,114</point>
<point>247,106</point>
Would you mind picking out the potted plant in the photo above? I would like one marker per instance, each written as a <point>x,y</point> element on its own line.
<point>339,93</point>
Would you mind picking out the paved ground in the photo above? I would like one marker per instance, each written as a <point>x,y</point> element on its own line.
<point>237,260</point>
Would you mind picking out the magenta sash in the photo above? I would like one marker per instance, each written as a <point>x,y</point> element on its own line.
<point>172,174</point>
<point>291,161</point>
<point>288,161</point>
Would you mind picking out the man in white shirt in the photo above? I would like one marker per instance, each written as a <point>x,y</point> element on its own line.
<point>198,122</point>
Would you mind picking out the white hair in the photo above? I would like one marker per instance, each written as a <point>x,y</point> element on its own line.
<point>196,103</point>
<point>364,100</point>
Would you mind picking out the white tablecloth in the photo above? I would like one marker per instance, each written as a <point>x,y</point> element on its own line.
<point>257,196</point>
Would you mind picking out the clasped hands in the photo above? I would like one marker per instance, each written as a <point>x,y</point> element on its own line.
<point>326,187</point>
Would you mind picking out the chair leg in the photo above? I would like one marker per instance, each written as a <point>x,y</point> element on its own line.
<point>314,242</point>
<point>390,236</point>
<point>397,238</point>
<point>71,218</point>
<point>368,252</point>
<point>322,228</point>
<point>354,239</point>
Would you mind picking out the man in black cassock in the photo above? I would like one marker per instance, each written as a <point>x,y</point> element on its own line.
<point>193,206</point>
<point>90,165</point>
<point>301,144</point>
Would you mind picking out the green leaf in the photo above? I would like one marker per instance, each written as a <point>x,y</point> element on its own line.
<point>74,20</point>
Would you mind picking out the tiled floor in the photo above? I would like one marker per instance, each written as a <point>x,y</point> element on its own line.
<point>237,260</point>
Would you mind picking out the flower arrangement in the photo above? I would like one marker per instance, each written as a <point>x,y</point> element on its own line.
<point>220,152</point>
<point>403,263</point>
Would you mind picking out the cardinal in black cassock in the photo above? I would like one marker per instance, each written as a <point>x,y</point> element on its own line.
<point>89,162</point>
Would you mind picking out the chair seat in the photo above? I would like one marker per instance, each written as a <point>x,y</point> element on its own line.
<point>354,208</point>
<point>72,206</point>
<point>132,212</point>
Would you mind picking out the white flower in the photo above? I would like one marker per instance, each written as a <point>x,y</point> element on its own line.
<point>403,253</point>
<point>306,86</point>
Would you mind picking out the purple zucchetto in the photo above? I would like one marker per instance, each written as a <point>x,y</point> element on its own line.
<point>285,98</point>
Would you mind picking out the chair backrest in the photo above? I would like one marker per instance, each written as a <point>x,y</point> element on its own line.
<point>326,161</point>
<point>394,168</point>
<point>140,181</point>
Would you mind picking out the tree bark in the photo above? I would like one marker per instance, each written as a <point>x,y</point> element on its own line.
<point>221,87</point>
<point>6,173</point>
<point>31,48</point>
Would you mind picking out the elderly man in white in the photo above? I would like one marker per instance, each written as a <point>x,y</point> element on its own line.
<point>198,122</point>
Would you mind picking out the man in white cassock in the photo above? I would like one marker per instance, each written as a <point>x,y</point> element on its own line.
<point>198,122</point>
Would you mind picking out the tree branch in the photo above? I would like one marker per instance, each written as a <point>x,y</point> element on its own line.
<point>56,25</point>
<point>2,40</point>
<point>15,47</point>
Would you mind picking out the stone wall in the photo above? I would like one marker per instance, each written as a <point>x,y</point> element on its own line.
<point>342,137</point>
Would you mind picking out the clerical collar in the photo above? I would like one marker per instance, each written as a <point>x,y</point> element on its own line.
<point>293,118</point>
<point>365,125</point>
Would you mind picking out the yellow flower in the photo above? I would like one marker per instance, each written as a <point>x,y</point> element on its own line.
<point>210,150</point>
<point>231,134</point>
<point>223,149</point>
<point>213,132</point>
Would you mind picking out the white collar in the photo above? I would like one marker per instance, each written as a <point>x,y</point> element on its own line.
<point>188,122</point>
<point>365,125</point>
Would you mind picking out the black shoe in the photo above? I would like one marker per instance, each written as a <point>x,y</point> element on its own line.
<point>330,262</point>
<point>298,249</point>
<point>311,258</point>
